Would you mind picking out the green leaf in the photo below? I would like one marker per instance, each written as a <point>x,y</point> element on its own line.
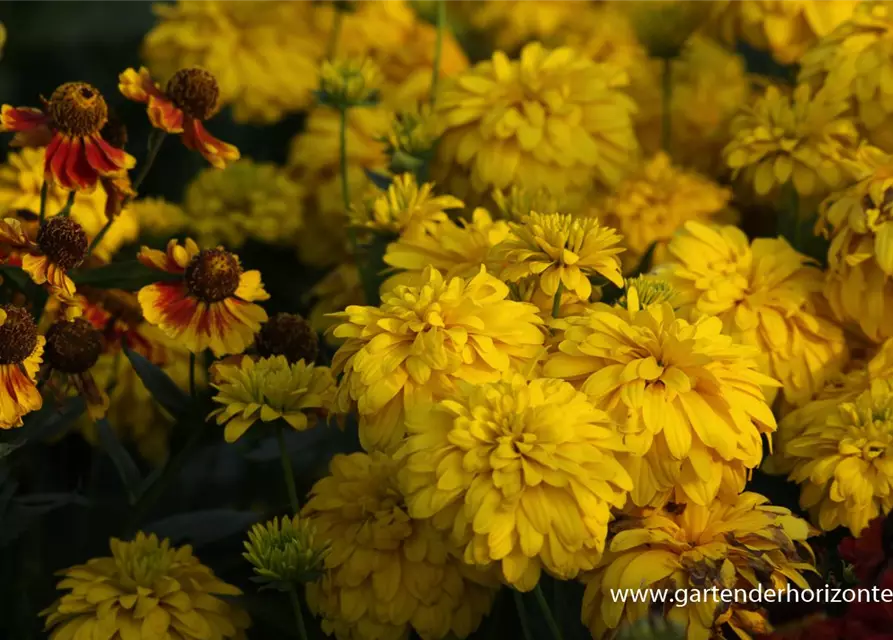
<point>129,275</point>
<point>644,265</point>
<point>165,391</point>
<point>127,469</point>
<point>204,527</point>
<point>379,179</point>
<point>51,420</point>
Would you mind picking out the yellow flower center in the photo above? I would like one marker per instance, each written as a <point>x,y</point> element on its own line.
<point>73,347</point>
<point>195,91</point>
<point>18,335</point>
<point>63,241</point>
<point>78,109</point>
<point>144,561</point>
<point>213,275</point>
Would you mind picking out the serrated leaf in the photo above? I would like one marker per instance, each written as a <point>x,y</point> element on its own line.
<point>164,390</point>
<point>379,179</point>
<point>129,275</point>
<point>127,469</point>
<point>204,527</point>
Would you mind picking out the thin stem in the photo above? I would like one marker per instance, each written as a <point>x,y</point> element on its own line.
<point>43,200</point>
<point>99,236</point>
<point>299,615</point>
<point>287,471</point>
<point>332,47</point>
<point>156,138</point>
<point>69,203</point>
<point>556,301</point>
<point>522,615</point>
<point>191,375</point>
<point>666,133</point>
<point>438,48</point>
<point>345,188</point>
<point>547,613</point>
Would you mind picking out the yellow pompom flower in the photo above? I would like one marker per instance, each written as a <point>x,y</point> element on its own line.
<point>349,82</point>
<point>843,460</point>
<point>244,201</point>
<point>146,586</point>
<point>649,206</point>
<point>424,339</point>
<point>785,28</point>
<point>387,574</point>
<point>21,179</point>
<point>522,473</point>
<point>159,218</point>
<point>603,33</point>
<point>268,390</point>
<point>803,138</point>
<point>767,295</point>
<point>857,56</point>
<point>264,56</point>
<point>560,250</point>
<point>284,552</point>
<point>663,26</point>
<point>457,249</point>
<point>517,202</point>
<point>551,119</point>
<point>687,398</point>
<point>513,23</point>
<point>740,543</point>
<point>859,222</point>
<point>411,138</point>
<point>314,163</point>
<point>404,205</point>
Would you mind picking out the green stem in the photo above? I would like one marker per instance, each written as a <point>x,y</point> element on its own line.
<point>522,615</point>
<point>345,187</point>
<point>66,210</point>
<point>666,138</point>
<point>191,374</point>
<point>299,616</point>
<point>556,301</point>
<point>438,47</point>
<point>287,471</point>
<point>156,138</point>
<point>332,47</point>
<point>547,613</point>
<point>43,200</point>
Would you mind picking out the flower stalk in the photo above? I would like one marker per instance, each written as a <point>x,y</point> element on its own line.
<point>556,301</point>
<point>547,613</point>
<point>296,605</point>
<point>43,200</point>
<point>287,471</point>
<point>522,615</point>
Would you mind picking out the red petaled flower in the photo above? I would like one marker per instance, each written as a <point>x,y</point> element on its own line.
<point>190,97</point>
<point>866,553</point>
<point>69,126</point>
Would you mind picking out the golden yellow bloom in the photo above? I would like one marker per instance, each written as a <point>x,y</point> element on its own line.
<point>857,56</point>
<point>785,28</point>
<point>411,138</point>
<point>284,552</point>
<point>710,83</point>
<point>603,33</point>
<point>404,206</point>
<point>663,26</point>
<point>159,218</point>
<point>21,178</point>
<point>314,162</point>
<point>145,585</point>
<point>349,82</point>
<point>767,295</point>
<point>686,397</point>
<point>516,22</point>
<point>21,351</point>
<point>517,202</point>
<point>455,249</point>
<point>387,574</point>
<point>741,543</point>
<point>549,119</point>
<point>649,206</point>
<point>859,221</point>
<point>264,56</point>
<point>522,473</point>
<point>802,138</point>
<point>560,250</point>
<point>424,339</point>
<point>246,200</point>
<point>843,460</point>
<point>270,389</point>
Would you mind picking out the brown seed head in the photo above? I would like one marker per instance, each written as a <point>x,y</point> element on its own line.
<point>63,241</point>
<point>213,275</point>
<point>195,91</point>
<point>18,335</point>
<point>73,347</point>
<point>78,109</point>
<point>289,335</point>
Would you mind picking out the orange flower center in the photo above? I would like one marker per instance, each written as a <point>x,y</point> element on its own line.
<point>63,241</point>
<point>73,347</point>
<point>78,109</point>
<point>195,91</point>
<point>289,335</point>
<point>18,335</point>
<point>213,275</point>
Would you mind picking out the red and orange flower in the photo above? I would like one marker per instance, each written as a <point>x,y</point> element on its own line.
<point>61,245</point>
<point>69,126</point>
<point>190,97</point>
<point>21,350</point>
<point>211,303</point>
